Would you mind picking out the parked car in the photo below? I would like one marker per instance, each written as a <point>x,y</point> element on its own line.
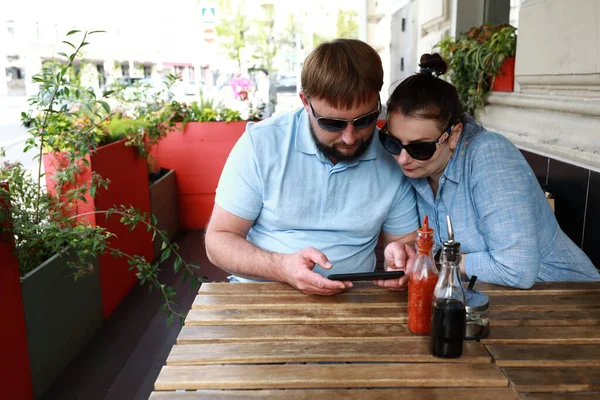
<point>183,90</point>
<point>286,83</point>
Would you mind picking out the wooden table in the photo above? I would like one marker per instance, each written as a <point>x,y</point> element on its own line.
<point>241,337</point>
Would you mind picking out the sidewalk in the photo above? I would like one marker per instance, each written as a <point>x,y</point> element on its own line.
<point>12,134</point>
<point>10,118</point>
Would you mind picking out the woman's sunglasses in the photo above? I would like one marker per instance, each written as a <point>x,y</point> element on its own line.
<point>419,150</point>
<point>337,124</point>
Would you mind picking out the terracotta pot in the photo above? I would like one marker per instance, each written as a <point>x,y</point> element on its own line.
<point>505,80</point>
<point>163,199</point>
<point>128,175</point>
<point>15,373</point>
<point>198,154</point>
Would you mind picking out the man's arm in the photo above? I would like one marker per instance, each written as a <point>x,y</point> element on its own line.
<point>399,254</point>
<point>228,248</point>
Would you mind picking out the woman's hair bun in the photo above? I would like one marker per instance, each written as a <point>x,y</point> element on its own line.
<point>433,62</point>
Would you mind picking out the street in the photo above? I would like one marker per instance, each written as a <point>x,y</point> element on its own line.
<point>12,134</point>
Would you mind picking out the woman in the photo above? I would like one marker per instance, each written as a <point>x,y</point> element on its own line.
<point>508,232</point>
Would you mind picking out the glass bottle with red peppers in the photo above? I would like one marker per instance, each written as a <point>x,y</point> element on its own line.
<point>421,283</point>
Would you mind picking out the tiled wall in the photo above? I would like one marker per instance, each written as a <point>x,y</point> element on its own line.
<point>577,200</point>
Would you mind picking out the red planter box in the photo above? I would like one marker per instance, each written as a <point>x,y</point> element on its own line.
<point>505,80</point>
<point>15,373</point>
<point>198,154</point>
<point>128,175</point>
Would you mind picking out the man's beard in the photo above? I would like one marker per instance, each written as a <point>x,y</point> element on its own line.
<point>334,153</point>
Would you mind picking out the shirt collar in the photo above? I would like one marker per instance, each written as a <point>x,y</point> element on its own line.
<point>454,169</point>
<point>456,165</point>
<point>306,144</point>
<point>304,140</point>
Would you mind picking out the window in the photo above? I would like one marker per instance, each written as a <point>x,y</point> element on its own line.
<point>147,71</point>
<point>101,75</point>
<point>403,24</point>
<point>179,71</point>
<point>125,69</point>
<point>10,28</point>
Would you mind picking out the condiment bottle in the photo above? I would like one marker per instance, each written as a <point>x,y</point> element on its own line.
<point>422,282</point>
<point>449,314</point>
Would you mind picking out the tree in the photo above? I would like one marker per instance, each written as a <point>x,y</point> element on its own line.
<point>263,39</point>
<point>347,27</point>
<point>232,28</point>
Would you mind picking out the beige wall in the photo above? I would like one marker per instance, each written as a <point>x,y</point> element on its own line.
<point>559,37</point>
<point>556,107</point>
<point>434,23</point>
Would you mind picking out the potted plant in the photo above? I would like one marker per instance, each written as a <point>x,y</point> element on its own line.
<point>61,313</point>
<point>145,119</point>
<point>16,376</point>
<point>484,56</point>
<point>57,242</point>
<point>197,148</point>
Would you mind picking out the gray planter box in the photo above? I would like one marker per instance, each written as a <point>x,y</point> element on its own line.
<point>61,316</point>
<point>163,204</point>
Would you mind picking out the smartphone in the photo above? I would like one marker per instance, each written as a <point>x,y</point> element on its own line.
<point>366,276</point>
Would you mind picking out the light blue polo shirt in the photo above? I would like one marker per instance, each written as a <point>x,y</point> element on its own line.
<point>276,176</point>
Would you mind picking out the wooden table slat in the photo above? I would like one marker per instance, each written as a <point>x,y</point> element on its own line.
<point>276,333</point>
<point>319,376</point>
<point>544,318</point>
<point>560,396</point>
<point>543,335</point>
<point>348,394</point>
<point>553,379</point>
<point>572,301</point>
<point>296,316</point>
<point>345,301</point>
<point>317,351</point>
<point>545,355</point>
<point>277,289</point>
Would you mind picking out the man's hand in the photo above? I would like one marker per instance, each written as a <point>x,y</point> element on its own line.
<point>297,270</point>
<point>398,256</point>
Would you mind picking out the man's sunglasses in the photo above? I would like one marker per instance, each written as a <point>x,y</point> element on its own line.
<point>337,124</point>
<point>419,150</point>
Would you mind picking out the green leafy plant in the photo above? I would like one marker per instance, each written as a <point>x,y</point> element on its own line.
<point>229,115</point>
<point>73,121</point>
<point>120,127</point>
<point>42,232</point>
<point>475,59</point>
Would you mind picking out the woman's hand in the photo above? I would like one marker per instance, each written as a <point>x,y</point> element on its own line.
<point>398,256</point>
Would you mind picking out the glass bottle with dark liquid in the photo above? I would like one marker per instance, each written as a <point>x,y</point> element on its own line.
<point>449,315</point>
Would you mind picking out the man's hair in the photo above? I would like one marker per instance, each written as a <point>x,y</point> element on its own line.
<point>343,72</point>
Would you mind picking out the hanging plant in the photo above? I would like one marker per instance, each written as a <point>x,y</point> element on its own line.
<point>475,59</point>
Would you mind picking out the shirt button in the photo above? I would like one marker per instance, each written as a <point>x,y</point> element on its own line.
<point>442,180</point>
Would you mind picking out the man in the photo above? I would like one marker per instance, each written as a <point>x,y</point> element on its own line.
<point>307,193</point>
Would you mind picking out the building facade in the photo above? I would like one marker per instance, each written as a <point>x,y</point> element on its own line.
<point>143,39</point>
<point>553,116</point>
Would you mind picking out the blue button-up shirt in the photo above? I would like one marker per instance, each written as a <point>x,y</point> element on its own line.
<point>297,198</point>
<point>500,215</point>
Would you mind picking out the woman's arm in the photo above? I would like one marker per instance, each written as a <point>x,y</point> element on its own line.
<point>504,191</point>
